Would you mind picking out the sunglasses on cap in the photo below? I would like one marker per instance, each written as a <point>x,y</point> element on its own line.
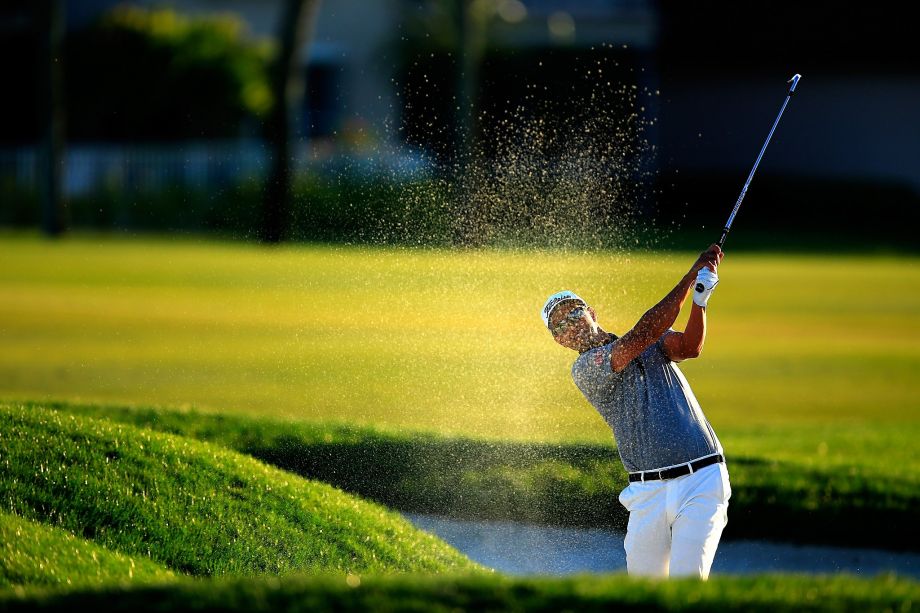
<point>573,316</point>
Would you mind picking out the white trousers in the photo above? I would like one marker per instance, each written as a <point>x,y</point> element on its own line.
<point>675,525</point>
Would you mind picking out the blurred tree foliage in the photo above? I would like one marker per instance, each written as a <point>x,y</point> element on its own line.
<point>153,74</point>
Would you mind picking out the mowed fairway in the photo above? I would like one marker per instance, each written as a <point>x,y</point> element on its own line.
<point>807,356</point>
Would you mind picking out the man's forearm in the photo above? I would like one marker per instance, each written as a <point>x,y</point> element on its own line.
<point>662,316</point>
<point>695,333</point>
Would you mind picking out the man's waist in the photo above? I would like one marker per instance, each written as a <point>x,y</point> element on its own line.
<point>676,470</point>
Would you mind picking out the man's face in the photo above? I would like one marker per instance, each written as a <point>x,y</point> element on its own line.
<point>573,325</point>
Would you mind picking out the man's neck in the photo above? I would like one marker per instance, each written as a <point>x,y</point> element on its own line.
<point>600,339</point>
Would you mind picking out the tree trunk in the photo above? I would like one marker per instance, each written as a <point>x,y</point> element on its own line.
<point>49,24</point>
<point>288,80</point>
<point>468,58</point>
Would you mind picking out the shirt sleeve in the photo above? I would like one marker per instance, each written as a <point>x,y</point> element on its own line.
<point>659,344</point>
<point>592,370</point>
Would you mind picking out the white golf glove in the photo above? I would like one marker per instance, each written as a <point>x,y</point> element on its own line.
<point>706,281</point>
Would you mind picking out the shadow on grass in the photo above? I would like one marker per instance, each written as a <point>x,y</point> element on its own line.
<point>562,485</point>
<point>578,485</point>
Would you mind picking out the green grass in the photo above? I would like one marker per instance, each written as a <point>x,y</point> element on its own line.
<point>810,362</point>
<point>768,594</point>
<point>440,340</point>
<point>569,484</point>
<point>36,554</point>
<point>193,507</point>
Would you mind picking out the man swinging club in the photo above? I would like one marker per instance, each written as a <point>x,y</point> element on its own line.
<point>678,489</point>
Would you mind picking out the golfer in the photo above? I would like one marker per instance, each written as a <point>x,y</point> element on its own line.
<point>678,489</point>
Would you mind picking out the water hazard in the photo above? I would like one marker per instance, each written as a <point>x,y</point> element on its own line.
<point>523,549</point>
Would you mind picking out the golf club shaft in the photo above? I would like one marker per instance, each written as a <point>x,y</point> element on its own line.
<point>731,218</point>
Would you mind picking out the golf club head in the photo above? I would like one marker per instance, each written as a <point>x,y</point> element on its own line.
<point>795,81</point>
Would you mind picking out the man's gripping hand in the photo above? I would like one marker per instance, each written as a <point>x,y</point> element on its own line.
<point>708,259</point>
<point>706,277</point>
<point>706,281</point>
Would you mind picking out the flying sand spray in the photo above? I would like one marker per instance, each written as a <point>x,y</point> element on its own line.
<point>728,225</point>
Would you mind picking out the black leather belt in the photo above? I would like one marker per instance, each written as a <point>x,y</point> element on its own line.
<point>677,471</point>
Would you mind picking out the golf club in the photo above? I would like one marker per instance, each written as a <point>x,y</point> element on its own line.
<point>728,225</point>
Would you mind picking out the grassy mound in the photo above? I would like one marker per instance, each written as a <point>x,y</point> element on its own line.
<point>544,483</point>
<point>768,594</point>
<point>193,507</point>
<point>36,554</point>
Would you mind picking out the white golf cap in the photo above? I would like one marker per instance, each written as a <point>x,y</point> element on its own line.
<point>555,300</point>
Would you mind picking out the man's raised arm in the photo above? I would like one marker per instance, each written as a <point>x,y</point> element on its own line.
<point>662,316</point>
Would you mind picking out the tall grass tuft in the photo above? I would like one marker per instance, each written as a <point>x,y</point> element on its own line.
<point>35,554</point>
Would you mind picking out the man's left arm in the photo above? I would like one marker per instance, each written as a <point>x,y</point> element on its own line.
<point>688,344</point>
<point>679,346</point>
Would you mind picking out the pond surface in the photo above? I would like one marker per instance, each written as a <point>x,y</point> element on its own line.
<point>524,549</point>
